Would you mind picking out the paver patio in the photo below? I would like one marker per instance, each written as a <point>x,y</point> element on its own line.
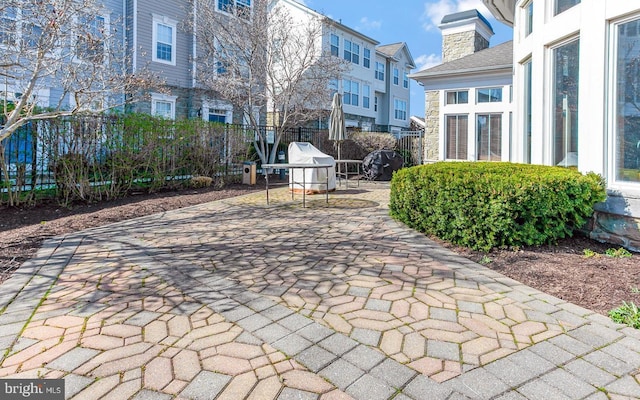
<point>236,299</point>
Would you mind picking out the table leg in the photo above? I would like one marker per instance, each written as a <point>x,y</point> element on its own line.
<point>266,178</point>
<point>327,186</point>
<point>304,188</point>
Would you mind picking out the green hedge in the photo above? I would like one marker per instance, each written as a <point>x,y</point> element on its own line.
<point>482,205</point>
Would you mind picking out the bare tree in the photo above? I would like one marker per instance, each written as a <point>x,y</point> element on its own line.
<point>262,59</point>
<point>61,57</point>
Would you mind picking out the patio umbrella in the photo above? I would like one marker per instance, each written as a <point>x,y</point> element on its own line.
<point>337,131</point>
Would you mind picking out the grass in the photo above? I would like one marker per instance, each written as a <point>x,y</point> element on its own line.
<point>627,313</point>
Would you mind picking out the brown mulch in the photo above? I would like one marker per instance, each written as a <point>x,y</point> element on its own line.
<point>599,283</point>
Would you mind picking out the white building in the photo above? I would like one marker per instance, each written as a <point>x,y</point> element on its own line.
<point>577,96</point>
<point>376,88</point>
<point>468,96</point>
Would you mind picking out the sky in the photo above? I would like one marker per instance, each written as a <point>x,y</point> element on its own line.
<point>414,22</point>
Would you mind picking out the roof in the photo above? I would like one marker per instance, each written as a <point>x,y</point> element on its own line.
<point>391,50</point>
<point>492,58</point>
<point>464,15</point>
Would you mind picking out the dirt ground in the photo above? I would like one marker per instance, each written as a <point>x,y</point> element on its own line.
<point>599,283</point>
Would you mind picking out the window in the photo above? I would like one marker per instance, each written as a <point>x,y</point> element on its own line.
<point>335,45</point>
<point>564,5</point>
<point>8,26</point>
<point>333,86</point>
<point>456,132</point>
<point>626,117</point>
<point>351,52</point>
<point>351,93</point>
<point>489,137</point>
<point>366,95</point>
<point>164,40</point>
<point>396,76</point>
<point>489,95</point>
<point>90,43</point>
<point>163,106</point>
<point>405,80</point>
<point>400,109</point>
<point>31,31</point>
<point>379,71</point>
<point>528,18</point>
<point>218,116</point>
<point>457,97</point>
<point>527,110</point>
<point>240,8</point>
<point>366,58</point>
<point>565,104</point>
<point>375,104</point>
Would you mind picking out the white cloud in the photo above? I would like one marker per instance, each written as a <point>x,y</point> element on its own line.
<point>366,24</point>
<point>425,61</point>
<point>435,10</point>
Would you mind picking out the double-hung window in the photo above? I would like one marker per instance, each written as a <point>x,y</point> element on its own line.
<point>366,96</point>
<point>164,40</point>
<point>405,80</point>
<point>90,45</point>
<point>31,31</point>
<point>163,106</point>
<point>379,71</point>
<point>351,92</point>
<point>366,58</point>
<point>335,45</point>
<point>8,26</point>
<point>400,109</point>
<point>351,51</point>
<point>396,76</point>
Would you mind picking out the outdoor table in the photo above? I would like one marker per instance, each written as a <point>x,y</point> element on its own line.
<point>346,174</point>
<point>303,167</point>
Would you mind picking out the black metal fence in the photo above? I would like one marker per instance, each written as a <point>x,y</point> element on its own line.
<point>102,157</point>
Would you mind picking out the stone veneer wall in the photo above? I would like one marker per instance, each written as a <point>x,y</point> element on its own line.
<point>432,126</point>
<point>615,228</point>
<point>457,45</point>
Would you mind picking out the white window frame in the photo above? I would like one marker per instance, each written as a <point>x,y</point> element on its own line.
<point>335,37</point>
<point>166,21</point>
<point>106,29</point>
<point>366,96</point>
<point>379,72</point>
<point>405,79</point>
<point>209,106</point>
<point>396,76</point>
<point>400,109</point>
<point>15,33</point>
<point>366,57</point>
<point>158,97</point>
<point>612,110</point>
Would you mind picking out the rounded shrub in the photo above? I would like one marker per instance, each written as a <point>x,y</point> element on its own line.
<point>482,205</point>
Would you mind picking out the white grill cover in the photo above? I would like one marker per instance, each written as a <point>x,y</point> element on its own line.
<point>315,179</point>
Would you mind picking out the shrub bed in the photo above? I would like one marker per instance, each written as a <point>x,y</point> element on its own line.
<point>482,205</point>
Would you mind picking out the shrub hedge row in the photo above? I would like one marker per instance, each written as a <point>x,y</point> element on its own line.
<point>482,205</point>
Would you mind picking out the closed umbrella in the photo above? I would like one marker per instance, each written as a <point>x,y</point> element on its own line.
<point>337,131</point>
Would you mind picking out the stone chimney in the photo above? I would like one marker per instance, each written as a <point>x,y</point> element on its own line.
<point>464,33</point>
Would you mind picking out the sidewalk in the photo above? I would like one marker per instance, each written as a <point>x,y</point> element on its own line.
<point>236,299</point>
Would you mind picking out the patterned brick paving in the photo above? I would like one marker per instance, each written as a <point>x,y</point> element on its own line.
<point>239,300</point>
